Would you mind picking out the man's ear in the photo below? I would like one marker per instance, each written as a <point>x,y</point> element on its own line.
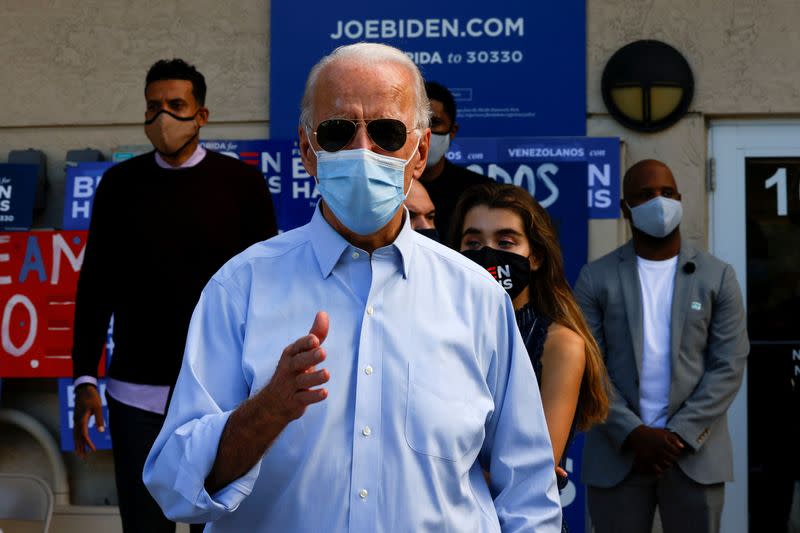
<point>202,116</point>
<point>307,154</point>
<point>422,150</point>
<point>626,212</point>
<point>453,131</point>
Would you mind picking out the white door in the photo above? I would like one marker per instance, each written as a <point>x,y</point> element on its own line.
<point>755,226</point>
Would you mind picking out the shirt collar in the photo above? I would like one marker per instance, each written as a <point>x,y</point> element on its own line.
<point>193,160</point>
<point>329,245</point>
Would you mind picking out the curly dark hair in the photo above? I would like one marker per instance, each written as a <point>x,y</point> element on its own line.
<point>178,69</point>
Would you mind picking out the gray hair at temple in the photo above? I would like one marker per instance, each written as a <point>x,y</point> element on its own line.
<point>367,53</point>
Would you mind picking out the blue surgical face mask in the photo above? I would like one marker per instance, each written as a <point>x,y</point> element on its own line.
<point>363,189</point>
<point>657,217</point>
<point>440,142</point>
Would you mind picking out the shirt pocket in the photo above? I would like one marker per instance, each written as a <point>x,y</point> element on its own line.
<point>440,421</point>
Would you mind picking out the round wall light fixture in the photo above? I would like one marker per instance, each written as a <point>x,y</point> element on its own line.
<point>647,86</point>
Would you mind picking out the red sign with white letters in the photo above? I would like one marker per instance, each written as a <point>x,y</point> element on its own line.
<point>38,281</point>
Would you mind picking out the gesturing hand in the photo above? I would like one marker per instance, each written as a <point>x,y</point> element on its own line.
<point>291,390</point>
<point>87,403</point>
<point>655,450</point>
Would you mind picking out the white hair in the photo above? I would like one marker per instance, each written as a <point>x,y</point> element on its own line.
<point>367,53</point>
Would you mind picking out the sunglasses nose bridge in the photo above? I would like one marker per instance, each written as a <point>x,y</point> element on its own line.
<point>361,138</point>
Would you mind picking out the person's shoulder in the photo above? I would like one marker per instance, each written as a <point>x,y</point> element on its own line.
<point>565,337</point>
<point>708,260</point>
<point>608,260</point>
<point>465,175</point>
<point>129,171</point>
<point>230,164</point>
<point>709,266</point>
<point>570,346</point>
<point>134,164</point>
<point>275,249</point>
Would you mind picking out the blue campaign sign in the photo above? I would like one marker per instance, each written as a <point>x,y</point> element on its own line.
<point>81,183</point>
<point>66,403</point>
<point>272,157</point>
<point>601,155</point>
<point>17,190</point>
<point>515,68</point>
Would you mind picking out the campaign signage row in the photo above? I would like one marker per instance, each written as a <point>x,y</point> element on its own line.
<point>514,68</point>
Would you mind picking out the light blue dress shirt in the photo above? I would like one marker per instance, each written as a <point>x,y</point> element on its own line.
<point>430,383</point>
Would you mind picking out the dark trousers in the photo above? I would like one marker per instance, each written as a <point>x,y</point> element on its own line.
<point>684,505</point>
<point>133,433</point>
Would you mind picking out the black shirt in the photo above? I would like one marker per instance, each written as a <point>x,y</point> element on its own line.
<point>445,192</point>
<point>155,239</point>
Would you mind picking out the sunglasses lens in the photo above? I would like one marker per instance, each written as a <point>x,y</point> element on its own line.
<point>388,133</point>
<point>335,134</point>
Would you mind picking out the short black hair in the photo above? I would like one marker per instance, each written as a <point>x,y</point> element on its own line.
<point>437,91</point>
<point>178,69</point>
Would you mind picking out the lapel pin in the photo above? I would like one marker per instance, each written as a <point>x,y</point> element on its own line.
<point>696,306</point>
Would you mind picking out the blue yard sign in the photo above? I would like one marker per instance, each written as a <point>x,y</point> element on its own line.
<point>515,68</point>
<point>81,183</point>
<point>17,190</point>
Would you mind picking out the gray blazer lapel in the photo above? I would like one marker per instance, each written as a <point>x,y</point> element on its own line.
<point>632,295</point>
<point>684,284</point>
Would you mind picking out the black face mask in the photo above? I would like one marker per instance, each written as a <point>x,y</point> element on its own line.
<point>431,233</point>
<point>512,271</point>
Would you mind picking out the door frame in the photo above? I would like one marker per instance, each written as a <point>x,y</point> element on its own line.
<point>730,142</point>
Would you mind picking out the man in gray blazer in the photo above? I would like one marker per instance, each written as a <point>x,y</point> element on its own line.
<point>670,322</point>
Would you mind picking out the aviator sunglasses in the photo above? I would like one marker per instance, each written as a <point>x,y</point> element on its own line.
<point>388,133</point>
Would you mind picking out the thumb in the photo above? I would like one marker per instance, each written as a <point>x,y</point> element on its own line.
<point>320,326</point>
<point>97,411</point>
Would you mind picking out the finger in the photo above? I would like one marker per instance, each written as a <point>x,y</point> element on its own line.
<point>77,441</point>
<point>308,397</point>
<point>677,441</point>
<point>85,431</point>
<point>303,344</point>
<point>320,326</point>
<point>97,409</point>
<point>305,360</point>
<point>672,450</point>
<point>560,472</point>
<point>313,379</point>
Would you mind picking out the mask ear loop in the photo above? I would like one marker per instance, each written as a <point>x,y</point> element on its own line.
<point>311,145</point>
<point>405,196</point>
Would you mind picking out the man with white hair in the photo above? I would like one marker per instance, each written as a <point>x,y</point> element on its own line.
<point>412,381</point>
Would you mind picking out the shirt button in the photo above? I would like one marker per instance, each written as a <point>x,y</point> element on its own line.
<point>363,493</point>
<point>367,431</point>
<point>368,370</point>
<point>356,255</point>
<point>370,310</point>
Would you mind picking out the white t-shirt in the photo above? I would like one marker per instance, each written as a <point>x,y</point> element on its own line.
<point>657,281</point>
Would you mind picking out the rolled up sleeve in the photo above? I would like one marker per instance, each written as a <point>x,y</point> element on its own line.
<point>210,386</point>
